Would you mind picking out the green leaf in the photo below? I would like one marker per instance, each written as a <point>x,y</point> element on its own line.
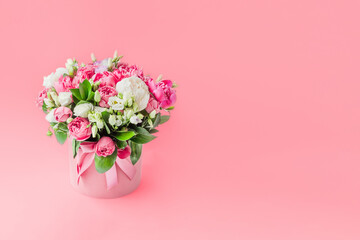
<point>170,108</point>
<point>103,164</point>
<point>75,147</point>
<point>164,119</point>
<point>60,132</point>
<point>60,136</point>
<point>135,152</point>
<point>153,131</point>
<point>76,93</point>
<point>85,89</point>
<point>124,135</point>
<point>91,96</point>
<point>107,128</point>
<point>81,102</point>
<point>143,136</point>
<point>121,144</point>
<point>156,120</point>
<point>105,115</point>
<point>44,108</point>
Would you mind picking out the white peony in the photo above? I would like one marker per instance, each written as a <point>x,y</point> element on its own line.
<point>50,116</point>
<point>64,98</point>
<point>116,103</point>
<point>137,88</point>
<point>82,110</point>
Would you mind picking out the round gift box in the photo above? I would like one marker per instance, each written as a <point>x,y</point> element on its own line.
<point>93,184</point>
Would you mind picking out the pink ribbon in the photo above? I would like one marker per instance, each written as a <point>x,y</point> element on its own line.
<point>85,158</point>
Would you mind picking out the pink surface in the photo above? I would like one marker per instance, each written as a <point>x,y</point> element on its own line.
<point>263,143</point>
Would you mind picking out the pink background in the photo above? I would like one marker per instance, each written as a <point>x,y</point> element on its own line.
<point>263,143</point>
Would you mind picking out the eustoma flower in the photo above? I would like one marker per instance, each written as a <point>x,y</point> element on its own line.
<point>105,147</point>
<point>80,129</point>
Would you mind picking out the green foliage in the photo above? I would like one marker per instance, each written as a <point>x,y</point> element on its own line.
<point>75,147</point>
<point>142,136</point>
<point>135,152</point>
<point>164,119</point>
<point>103,164</point>
<point>123,135</point>
<point>60,131</point>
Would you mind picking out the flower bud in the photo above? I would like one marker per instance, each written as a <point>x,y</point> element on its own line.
<point>97,96</point>
<point>115,54</point>
<point>112,120</point>
<point>94,130</point>
<point>69,120</point>
<point>152,114</point>
<point>93,58</point>
<point>49,133</point>
<point>159,78</point>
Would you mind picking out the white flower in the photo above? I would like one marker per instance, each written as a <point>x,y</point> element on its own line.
<point>99,109</point>
<point>118,121</point>
<point>54,97</point>
<point>50,116</point>
<point>112,120</point>
<point>96,117</point>
<point>64,98</point>
<point>138,89</point>
<point>128,113</point>
<point>82,110</point>
<point>116,103</point>
<point>135,119</point>
<point>49,103</point>
<point>50,80</point>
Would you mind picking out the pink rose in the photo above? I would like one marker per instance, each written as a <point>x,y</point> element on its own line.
<point>61,114</point>
<point>106,92</point>
<point>124,153</point>
<point>105,147</point>
<point>79,129</point>
<point>40,99</point>
<point>64,84</point>
<point>83,73</point>
<point>106,79</point>
<point>153,104</point>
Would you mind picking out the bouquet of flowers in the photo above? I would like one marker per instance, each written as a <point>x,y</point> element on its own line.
<point>108,103</point>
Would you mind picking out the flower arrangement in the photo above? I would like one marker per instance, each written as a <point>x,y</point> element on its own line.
<point>107,103</point>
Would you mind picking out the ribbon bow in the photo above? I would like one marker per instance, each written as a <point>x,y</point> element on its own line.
<point>85,158</point>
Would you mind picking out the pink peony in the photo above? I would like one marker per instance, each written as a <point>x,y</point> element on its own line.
<point>79,128</point>
<point>40,99</point>
<point>165,94</point>
<point>83,73</point>
<point>106,92</point>
<point>162,91</point>
<point>124,153</point>
<point>105,147</point>
<point>153,104</point>
<point>126,71</point>
<point>63,85</point>
<point>61,114</point>
<point>106,79</point>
